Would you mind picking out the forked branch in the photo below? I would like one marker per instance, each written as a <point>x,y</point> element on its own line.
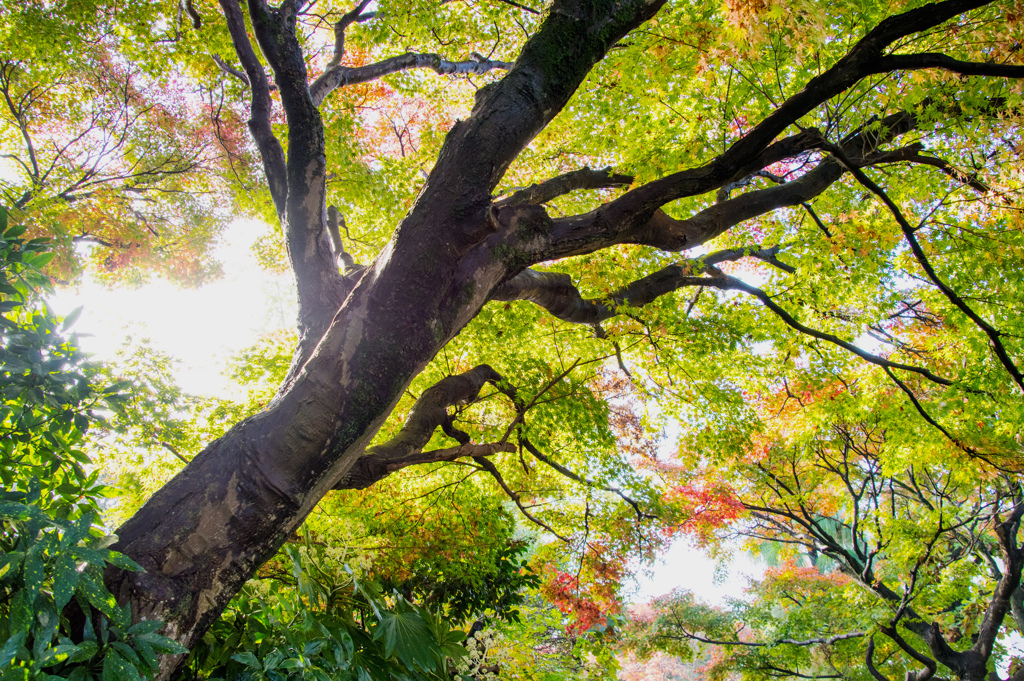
<point>429,412</point>
<point>666,233</point>
<point>556,293</point>
<point>261,105</point>
<point>355,16</point>
<point>515,497</point>
<point>635,216</point>
<point>929,664</point>
<point>640,514</point>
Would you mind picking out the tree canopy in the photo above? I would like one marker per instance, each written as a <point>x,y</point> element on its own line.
<point>571,279</point>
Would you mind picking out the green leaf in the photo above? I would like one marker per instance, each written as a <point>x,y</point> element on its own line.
<point>72,317</point>
<point>15,674</point>
<point>117,668</point>
<point>163,644</point>
<point>65,580</point>
<point>86,650</point>
<point>10,564</point>
<point>248,659</point>
<point>34,571</point>
<point>98,596</point>
<point>21,611</point>
<point>42,260</point>
<point>406,635</point>
<point>11,647</point>
<point>122,561</point>
<point>144,627</point>
<point>126,651</point>
<point>56,654</point>
<point>78,531</point>
<point>146,652</point>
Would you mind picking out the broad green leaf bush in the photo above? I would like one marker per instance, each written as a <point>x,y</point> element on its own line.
<point>309,618</point>
<point>53,546</point>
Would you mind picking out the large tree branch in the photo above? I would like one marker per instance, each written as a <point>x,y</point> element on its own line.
<point>548,239</point>
<point>261,105</point>
<point>320,287</point>
<point>969,179</point>
<point>335,75</point>
<point>629,217</point>
<point>547,190</point>
<point>349,18</point>
<point>429,412</point>
<point>508,114</point>
<point>937,60</point>
<point>666,233</point>
<point>824,640</point>
<point>339,76</point>
<point>369,469</point>
<point>1013,563</point>
<point>556,293</point>
<point>929,663</point>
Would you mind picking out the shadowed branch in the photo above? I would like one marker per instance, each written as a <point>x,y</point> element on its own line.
<point>556,293</point>
<point>429,412</point>
<point>547,190</point>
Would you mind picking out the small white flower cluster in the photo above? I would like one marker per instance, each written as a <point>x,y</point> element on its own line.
<point>474,665</point>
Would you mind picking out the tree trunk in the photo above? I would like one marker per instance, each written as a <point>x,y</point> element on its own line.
<point>203,534</point>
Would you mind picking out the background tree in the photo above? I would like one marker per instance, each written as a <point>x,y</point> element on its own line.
<point>852,170</point>
<point>113,143</point>
<point>896,539</point>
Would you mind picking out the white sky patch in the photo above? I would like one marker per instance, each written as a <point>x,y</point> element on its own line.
<point>1014,649</point>
<point>200,327</point>
<point>687,566</point>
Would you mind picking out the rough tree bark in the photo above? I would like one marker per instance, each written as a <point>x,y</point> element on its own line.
<point>364,337</point>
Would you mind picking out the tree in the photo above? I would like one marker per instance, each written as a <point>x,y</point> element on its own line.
<point>104,145</point>
<point>896,541</point>
<point>819,103</point>
<point>890,569</point>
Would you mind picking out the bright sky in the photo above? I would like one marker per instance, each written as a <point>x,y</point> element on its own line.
<point>201,327</point>
<point>687,566</point>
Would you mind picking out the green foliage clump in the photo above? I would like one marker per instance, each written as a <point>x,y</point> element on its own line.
<point>57,619</point>
<point>307,617</point>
